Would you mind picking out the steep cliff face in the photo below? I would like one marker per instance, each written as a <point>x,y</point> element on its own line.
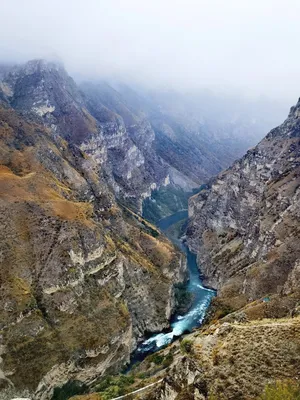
<point>81,279</point>
<point>124,151</point>
<point>129,138</point>
<point>245,225</point>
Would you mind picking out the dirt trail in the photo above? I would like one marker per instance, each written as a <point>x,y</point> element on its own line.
<point>138,390</point>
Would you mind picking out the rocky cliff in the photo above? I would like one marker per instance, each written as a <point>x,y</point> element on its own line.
<point>232,361</point>
<point>244,226</point>
<point>82,280</point>
<point>44,91</point>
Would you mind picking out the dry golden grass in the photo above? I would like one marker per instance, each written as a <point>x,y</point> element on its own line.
<point>72,211</point>
<point>38,188</point>
<point>90,121</point>
<point>240,359</point>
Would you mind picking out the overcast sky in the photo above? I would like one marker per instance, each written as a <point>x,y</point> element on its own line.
<point>248,45</point>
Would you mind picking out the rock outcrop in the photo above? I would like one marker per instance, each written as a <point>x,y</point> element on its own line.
<point>82,280</point>
<point>244,226</point>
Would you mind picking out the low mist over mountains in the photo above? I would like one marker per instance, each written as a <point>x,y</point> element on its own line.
<point>151,139</point>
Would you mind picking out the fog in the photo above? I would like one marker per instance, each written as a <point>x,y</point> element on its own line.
<point>249,46</point>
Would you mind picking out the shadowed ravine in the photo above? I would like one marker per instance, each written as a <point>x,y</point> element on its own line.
<point>201,298</point>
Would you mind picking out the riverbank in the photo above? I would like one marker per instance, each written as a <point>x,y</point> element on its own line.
<point>160,350</point>
<point>201,296</point>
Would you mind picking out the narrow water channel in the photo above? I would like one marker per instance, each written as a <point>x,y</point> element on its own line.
<point>202,296</point>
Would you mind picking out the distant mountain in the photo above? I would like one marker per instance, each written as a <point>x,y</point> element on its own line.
<point>196,135</point>
<point>143,140</point>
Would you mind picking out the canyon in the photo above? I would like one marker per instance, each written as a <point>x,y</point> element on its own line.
<point>244,227</point>
<point>88,173</point>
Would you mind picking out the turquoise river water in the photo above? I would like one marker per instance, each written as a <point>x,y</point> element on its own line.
<point>202,296</point>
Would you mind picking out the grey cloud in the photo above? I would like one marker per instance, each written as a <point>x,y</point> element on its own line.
<point>251,46</point>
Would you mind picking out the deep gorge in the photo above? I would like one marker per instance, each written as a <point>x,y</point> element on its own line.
<point>89,285</point>
<point>181,323</point>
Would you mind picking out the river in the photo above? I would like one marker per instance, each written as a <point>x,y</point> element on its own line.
<point>202,296</point>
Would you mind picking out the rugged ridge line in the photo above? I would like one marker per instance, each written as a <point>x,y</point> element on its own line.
<point>142,141</point>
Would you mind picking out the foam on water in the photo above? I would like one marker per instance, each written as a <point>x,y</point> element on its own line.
<point>182,323</point>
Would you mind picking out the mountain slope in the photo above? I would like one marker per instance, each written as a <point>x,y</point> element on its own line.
<point>232,361</point>
<point>49,96</point>
<point>83,276</point>
<point>245,225</point>
<point>81,279</point>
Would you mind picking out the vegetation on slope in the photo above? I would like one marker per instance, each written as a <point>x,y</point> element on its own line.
<point>68,255</point>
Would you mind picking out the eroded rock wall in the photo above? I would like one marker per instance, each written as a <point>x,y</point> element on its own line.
<point>245,226</point>
<point>82,279</point>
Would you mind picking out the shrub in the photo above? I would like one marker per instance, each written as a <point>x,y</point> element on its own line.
<point>156,358</point>
<point>114,386</point>
<point>282,390</point>
<point>183,297</point>
<point>111,392</point>
<point>168,360</point>
<point>215,356</point>
<point>186,346</point>
<point>69,389</point>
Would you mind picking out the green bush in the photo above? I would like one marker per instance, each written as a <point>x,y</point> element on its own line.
<point>114,386</point>
<point>156,358</point>
<point>183,298</point>
<point>168,360</point>
<point>186,346</point>
<point>69,389</point>
<point>111,392</point>
<point>281,390</point>
<point>103,384</point>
